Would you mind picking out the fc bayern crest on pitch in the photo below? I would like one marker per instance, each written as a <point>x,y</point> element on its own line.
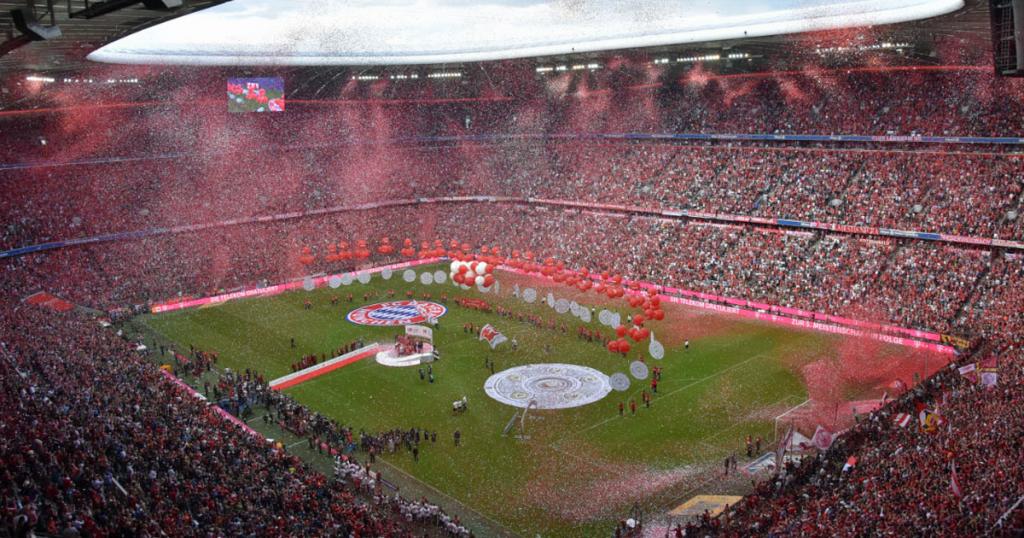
<point>396,313</point>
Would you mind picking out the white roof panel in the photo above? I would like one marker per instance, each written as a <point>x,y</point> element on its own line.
<point>405,32</point>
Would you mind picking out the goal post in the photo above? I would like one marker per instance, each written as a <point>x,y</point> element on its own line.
<point>794,416</point>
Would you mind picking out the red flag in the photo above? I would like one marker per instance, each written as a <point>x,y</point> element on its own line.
<point>492,335</point>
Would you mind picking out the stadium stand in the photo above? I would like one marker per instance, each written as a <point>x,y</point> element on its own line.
<point>102,443</point>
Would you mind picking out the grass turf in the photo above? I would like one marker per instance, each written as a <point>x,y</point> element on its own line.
<point>581,469</point>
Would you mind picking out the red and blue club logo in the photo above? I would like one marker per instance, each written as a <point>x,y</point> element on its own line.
<point>396,313</point>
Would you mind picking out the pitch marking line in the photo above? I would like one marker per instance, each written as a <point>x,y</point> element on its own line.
<point>667,394</point>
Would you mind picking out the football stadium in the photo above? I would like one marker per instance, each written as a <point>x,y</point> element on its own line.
<point>545,268</point>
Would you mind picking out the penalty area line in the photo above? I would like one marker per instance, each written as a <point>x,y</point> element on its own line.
<point>667,394</point>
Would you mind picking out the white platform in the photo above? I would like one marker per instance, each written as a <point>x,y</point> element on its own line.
<point>388,357</point>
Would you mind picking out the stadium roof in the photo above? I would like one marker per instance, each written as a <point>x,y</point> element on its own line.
<point>80,35</point>
<point>411,32</point>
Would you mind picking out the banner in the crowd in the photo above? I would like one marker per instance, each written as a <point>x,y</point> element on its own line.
<point>902,419</point>
<point>419,331</point>
<point>959,343</point>
<point>970,372</point>
<point>492,336</point>
<point>988,371</point>
<point>930,420</point>
<point>822,438</point>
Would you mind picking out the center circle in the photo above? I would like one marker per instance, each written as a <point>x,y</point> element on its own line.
<point>551,386</point>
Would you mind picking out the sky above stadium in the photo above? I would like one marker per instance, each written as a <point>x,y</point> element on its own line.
<point>401,32</point>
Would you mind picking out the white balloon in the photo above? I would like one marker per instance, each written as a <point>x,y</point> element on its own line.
<point>386,274</point>
<point>638,369</point>
<point>470,275</point>
<point>455,266</point>
<point>479,280</point>
<point>481,268</point>
<point>439,277</point>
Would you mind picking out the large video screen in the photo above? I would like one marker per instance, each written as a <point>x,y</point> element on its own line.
<point>256,94</point>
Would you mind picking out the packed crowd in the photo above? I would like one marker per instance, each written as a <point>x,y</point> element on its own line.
<point>969,194</point>
<point>974,291</point>
<point>933,286</point>
<point>882,479</point>
<point>950,190</point>
<point>99,442</point>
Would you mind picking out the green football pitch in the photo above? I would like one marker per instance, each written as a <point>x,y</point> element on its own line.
<point>578,470</point>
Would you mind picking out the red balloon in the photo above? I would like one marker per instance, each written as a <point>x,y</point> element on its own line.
<point>620,331</point>
<point>488,281</point>
<point>613,346</point>
<point>659,314</point>
<point>655,302</point>
<point>649,313</point>
<point>462,269</point>
<point>638,320</point>
<point>458,278</point>
<point>623,346</point>
<point>644,333</point>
